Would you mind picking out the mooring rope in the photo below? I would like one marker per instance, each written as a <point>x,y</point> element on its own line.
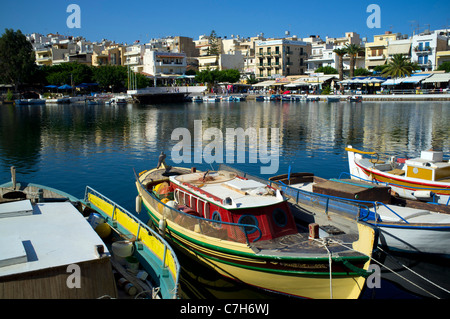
<point>324,243</point>
<point>407,280</point>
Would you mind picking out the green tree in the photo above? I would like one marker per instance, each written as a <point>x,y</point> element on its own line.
<point>68,73</point>
<point>111,77</point>
<point>340,52</point>
<point>17,59</point>
<point>213,44</point>
<point>362,72</point>
<point>352,52</point>
<point>327,70</point>
<point>400,66</point>
<point>444,67</point>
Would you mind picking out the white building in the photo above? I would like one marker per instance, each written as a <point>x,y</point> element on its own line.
<point>134,56</point>
<point>424,48</point>
<point>157,63</point>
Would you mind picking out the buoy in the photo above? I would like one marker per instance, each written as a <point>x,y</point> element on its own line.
<point>103,230</point>
<point>138,204</point>
<point>423,194</point>
<point>162,225</point>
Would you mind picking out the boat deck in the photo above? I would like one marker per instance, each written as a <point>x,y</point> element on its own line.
<point>301,245</point>
<point>44,236</point>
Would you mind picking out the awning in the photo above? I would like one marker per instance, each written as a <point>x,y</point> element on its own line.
<point>415,78</point>
<point>393,81</point>
<point>265,83</point>
<point>399,48</point>
<point>438,77</point>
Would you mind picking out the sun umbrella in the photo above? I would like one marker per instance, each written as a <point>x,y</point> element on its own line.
<point>64,87</point>
<point>51,86</point>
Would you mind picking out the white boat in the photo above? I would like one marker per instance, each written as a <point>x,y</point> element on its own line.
<point>425,178</point>
<point>312,98</point>
<point>402,229</point>
<point>118,100</point>
<point>355,98</point>
<point>211,99</point>
<point>197,99</point>
<point>61,100</point>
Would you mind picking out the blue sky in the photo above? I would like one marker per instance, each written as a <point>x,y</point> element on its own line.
<point>127,21</point>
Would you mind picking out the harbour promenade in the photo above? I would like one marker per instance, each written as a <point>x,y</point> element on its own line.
<point>379,97</point>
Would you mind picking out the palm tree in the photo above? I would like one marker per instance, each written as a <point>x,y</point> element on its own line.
<point>352,51</point>
<point>340,52</point>
<point>400,66</point>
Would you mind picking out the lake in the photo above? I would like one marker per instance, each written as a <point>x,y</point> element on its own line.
<point>71,146</point>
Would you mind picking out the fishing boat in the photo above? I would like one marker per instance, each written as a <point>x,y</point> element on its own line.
<point>49,237</point>
<point>333,99</point>
<point>402,229</point>
<point>355,98</point>
<point>29,101</point>
<point>227,98</point>
<point>211,99</point>
<point>260,98</point>
<point>312,99</point>
<point>244,230</point>
<point>426,178</point>
<point>197,99</point>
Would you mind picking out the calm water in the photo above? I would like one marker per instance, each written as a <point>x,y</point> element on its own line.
<point>71,146</point>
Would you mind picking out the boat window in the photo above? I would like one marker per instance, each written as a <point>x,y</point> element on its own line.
<point>216,217</point>
<point>279,217</point>
<point>248,220</point>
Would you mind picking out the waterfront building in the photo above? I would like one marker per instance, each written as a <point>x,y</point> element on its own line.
<point>134,55</point>
<point>401,46</point>
<point>425,47</point>
<point>441,57</point>
<point>281,58</point>
<point>322,52</point>
<point>377,51</point>
<point>221,61</point>
<point>112,54</point>
<point>158,63</point>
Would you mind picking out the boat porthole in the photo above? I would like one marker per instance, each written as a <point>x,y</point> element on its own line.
<point>279,217</point>
<point>216,217</point>
<point>248,220</point>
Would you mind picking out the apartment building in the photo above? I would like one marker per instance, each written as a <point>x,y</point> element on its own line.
<point>134,57</point>
<point>281,57</point>
<point>157,63</point>
<point>425,48</point>
<point>377,51</point>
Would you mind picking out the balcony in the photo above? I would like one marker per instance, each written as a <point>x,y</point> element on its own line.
<point>375,57</point>
<point>426,50</point>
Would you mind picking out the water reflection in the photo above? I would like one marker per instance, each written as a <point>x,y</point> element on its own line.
<point>96,143</point>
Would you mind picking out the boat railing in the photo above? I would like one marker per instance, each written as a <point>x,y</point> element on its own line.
<point>143,233</point>
<point>360,209</point>
<point>374,181</point>
<point>242,233</point>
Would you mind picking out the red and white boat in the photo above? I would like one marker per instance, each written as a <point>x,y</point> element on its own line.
<point>426,178</point>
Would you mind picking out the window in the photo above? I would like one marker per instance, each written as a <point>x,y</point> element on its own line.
<point>420,59</point>
<point>425,59</point>
<point>248,220</point>
<point>279,217</point>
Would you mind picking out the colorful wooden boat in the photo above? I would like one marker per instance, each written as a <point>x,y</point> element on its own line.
<point>49,231</point>
<point>426,178</point>
<point>403,229</point>
<point>244,230</point>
